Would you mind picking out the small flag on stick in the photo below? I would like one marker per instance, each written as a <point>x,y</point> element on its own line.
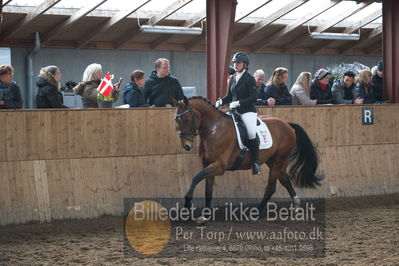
<point>106,87</point>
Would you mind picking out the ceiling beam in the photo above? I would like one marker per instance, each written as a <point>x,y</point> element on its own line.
<point>189,23</point>
<point>354,27</point>
<point>6,3</point>
<point>37,11</point>
<point>244,15</point>
<point>88,36</point>
<point>296,24</point>
<point>66,24</point>
<point>269,20</point>
<point>169,11</point>
<point>329,24</point>
<point>371,37</point>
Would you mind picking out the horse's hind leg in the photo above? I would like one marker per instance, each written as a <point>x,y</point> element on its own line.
<point>209,190</point>
<point>270,187</point>
<point>285,181</point>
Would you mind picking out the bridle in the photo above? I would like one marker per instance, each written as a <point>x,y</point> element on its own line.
<point>193,132</point>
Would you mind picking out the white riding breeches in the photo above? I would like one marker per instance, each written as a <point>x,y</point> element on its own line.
<point>249,120</point>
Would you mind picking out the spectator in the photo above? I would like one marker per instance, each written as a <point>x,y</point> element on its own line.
<point>10,95</point>
<point>364,89</point>
<point>276,92</point>
<point>162,87</point>
<point>48,94</point>
<point>378,82</point>
<point>344,88</point>
<point>320,89</point>
<point>301,89</point>
<point>88,87</point>
<point>259,76</point>
<point>133,91</point>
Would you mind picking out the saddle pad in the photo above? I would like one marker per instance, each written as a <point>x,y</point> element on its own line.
<point>263,132</point>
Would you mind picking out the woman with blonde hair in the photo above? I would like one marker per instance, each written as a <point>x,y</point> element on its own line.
<point>364,89</point>
<point>88,87</point>
<point>300,91</point>
<point>276,92</point>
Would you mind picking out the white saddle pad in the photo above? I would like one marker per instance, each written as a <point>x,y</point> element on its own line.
<point>265,137</point>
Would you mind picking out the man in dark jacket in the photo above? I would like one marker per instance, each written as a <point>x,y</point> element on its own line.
<point>133,93</point>
<point>320,89</point>
<point>161,88</point>
<point>378,82</point>
<point>343,90</point>
<point>48,94</point>
<point>10,95</point>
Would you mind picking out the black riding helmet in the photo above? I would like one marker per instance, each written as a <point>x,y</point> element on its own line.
<point>240,57</point>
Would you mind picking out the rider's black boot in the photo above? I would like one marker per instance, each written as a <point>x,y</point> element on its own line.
<point>253,145</point>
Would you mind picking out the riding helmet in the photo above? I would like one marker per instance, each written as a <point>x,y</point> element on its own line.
<point>240,57</point>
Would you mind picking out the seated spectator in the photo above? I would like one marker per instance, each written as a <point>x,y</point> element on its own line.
<point>344,88</point>
<point>320,89</point>
<point>377,80</point>
<point>301,89</point>
<point>48,94</point>
<point>10,95</point>
<point>133,91</point>
<point>276,92</point>
<point>259,76</point>
<point>161,88</point>
<point>364,89</point>
<point>88,87</point>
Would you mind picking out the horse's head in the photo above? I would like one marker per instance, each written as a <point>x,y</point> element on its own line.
<point>188,123</point>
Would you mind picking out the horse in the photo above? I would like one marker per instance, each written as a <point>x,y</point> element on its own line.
<point>292,157</point>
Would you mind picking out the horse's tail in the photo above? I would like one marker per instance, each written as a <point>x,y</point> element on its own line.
<point>303,160</point>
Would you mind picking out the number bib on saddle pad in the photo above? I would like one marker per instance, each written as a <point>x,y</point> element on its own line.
<point>262,131</point>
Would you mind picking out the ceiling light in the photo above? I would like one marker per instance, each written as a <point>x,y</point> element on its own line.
<point>171,30</point>
<point>335,36</point>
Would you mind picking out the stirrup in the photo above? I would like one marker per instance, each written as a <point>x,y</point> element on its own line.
<point>256,169</point>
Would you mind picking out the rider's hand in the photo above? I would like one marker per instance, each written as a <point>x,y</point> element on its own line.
<point>234,104</point>
<point>218,103</point>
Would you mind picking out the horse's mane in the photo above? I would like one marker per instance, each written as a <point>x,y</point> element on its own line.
<point>208,102</point>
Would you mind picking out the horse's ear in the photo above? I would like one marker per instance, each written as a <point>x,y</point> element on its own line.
<point>185,100</point>
<point>174,102</point>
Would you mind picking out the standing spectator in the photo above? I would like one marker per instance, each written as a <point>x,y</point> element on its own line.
<point>320,89</point>
<point>133,91</point>
<point>48,94</point>
<point>88,87</point>
<point>364,89</point>
<point>344,88</point>
<point>10,95</point>
<point>378,82</point>
<point>259,76</point>
<point>162,87</point>
<point>276,92</point>
<point>301,89</point>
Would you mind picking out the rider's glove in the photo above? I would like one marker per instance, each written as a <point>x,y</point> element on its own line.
<point>234,104</point>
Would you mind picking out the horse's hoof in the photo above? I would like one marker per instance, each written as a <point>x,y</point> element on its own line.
<point>202,220</point>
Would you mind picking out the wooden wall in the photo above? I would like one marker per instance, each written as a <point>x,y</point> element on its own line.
<point>62,164</point>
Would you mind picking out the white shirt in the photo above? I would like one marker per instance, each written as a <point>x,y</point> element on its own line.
<point>239,75</point>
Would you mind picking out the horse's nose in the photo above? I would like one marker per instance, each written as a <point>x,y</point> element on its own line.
<point>187,147</point>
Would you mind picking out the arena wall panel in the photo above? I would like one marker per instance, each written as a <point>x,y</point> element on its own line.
<point>81,163</point>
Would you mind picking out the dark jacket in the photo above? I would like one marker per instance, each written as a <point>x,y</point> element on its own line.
<point>261,99</point>
<point>48,94</point>
<point>378,87</point>
<point>281,95</point>
<point>134,96</point>
<point>360,92</point>
<point>317,93</point>
<point>244,91</point>
<point>161,91</point>
<point>11,95</point>
<point>341,94</point>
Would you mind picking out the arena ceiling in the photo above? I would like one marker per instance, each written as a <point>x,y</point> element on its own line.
<point>261,26</point>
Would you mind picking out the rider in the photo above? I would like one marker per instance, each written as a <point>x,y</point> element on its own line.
<point>242,96</point>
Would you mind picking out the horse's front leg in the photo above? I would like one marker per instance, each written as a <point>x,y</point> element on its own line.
<point>209,172</point>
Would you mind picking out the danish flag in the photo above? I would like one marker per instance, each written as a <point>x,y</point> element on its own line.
<point>106,87</point>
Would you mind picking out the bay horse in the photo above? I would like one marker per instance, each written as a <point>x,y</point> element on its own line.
<point>292,156</point>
